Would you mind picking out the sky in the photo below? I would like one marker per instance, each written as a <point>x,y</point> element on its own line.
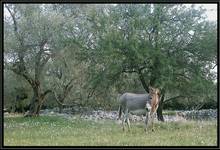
<point>211,10</point>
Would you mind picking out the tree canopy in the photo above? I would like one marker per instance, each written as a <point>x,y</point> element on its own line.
<point>99,50</point>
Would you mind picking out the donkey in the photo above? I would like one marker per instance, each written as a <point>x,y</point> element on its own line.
<point>139,104</point>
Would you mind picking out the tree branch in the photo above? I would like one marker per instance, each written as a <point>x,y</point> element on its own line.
<point>141,77</point>
<point>57,99</point>
<point>172,98</point>
<point>142,67</point>
<point>214,66</point>
<point>128,71</point>
<point>92,92</point>
<point>182,75</point>
<point>68,84</point>
<point>44,61</point>
<point>22,73</point>
<point>66,91</point>
<point>14,21</point>
<point>60,103</point>
<point>46,92</point>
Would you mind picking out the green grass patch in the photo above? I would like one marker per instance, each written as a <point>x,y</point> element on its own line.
<point>57,131</point>
<point>169,112</point>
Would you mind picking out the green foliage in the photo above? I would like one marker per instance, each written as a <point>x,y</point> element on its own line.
<point>165,42</point>
<point>15,86</point>
<point>105,49</point>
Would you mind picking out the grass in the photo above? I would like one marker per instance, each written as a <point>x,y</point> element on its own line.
<point>57,131</point>
<point>169,112</point>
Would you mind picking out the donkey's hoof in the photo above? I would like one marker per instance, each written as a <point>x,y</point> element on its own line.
<point>146,131</point>
<point>153,130</point>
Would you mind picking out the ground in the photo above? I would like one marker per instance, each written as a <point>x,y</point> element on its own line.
<point>58,131</point>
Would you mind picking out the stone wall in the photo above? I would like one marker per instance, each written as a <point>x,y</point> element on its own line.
<point>198,114</point>
<point>113,115</point>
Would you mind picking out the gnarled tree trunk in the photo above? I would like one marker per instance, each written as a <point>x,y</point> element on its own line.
<point>60,98</point>
<point>37,101</point>
<point>141,77</point>
<point>160,109</point>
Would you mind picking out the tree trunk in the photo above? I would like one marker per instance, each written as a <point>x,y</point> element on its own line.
<point>60,108</point>
<point>160,113</point>
<point>61,105</point>
<point>38,108</point>
<point>141,77</point>
<point>35,102</point>
<point>160,109</point>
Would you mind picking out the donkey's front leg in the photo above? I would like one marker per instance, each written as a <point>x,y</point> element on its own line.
<point>128,122</point>
<point>152,123</point>
<point>152,119</point>
<point>148,117</point>
<point>147,120</point>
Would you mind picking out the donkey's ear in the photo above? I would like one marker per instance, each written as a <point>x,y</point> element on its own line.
<point>158,92</point>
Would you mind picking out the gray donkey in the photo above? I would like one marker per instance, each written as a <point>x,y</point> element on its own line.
<point>139,104</point>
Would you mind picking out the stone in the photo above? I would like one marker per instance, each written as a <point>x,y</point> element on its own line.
<point>113,115</point>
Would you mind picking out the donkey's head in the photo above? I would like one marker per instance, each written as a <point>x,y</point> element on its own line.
<point>154,92</point>
<point>155,98</point>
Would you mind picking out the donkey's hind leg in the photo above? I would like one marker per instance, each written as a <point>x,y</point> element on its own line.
<point>123,121</point>
<point>126,119</point>
<point>128,123</point>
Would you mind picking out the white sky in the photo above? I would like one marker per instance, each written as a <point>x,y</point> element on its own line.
<point>211,10</point>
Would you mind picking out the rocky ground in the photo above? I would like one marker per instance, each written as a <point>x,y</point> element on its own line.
<point>113,115</point>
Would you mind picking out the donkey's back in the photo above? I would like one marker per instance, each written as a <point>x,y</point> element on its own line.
<point>133,101</point>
